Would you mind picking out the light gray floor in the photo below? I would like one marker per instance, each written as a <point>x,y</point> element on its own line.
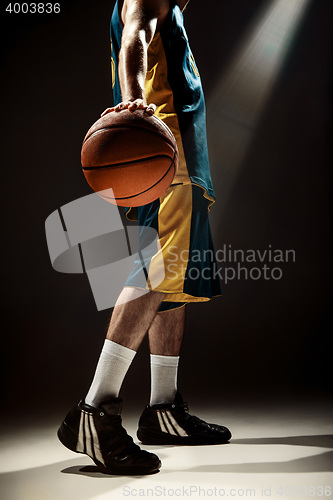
<point>279,450</point>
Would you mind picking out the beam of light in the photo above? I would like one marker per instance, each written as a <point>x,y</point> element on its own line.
<point>236,104</point>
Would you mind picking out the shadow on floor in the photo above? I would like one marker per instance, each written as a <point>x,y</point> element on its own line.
<point>91,471</point>
<point>314,463</point>
<point>321,441</point>
<point>47,482</point>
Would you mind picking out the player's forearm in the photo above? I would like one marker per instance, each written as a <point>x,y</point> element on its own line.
<point>133,68</point>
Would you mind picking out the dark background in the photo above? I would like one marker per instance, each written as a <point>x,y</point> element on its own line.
<point>260,337</point>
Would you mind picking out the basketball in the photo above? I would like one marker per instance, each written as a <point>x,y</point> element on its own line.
<point>132,154</point>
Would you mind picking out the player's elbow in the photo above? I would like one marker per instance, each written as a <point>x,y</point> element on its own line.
<point>138,31</point>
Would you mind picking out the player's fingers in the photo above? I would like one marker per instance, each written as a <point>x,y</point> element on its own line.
<point>106,111</point>
<point>121,106</point>
<point>137,104</point>
<point>133,105</point>
<point>150,109</point>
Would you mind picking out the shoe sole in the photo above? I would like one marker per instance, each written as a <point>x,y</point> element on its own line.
<point>68,439</point>
<point>146,436</point>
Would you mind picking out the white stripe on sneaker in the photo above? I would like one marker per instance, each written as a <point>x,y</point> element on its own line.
<point>167,423</point>
<point>89,443</point>
<point>95,439</point>
<point>176,426</point>
<point>80,438</point>
<point>160,420</point>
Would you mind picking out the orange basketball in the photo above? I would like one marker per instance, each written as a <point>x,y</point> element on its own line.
<point>131,153</point>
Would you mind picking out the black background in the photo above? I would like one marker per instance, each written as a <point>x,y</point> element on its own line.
<point>260,336</point>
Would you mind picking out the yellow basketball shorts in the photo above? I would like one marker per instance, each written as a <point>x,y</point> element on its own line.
<point>183,263</point>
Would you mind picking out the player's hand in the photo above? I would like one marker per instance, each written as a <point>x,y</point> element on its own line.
<point>132,106</point>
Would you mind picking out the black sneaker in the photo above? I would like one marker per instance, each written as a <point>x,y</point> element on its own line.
<point>172,424</point>
<point>98,433</point>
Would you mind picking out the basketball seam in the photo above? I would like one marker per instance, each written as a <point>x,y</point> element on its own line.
<point>172,143</point>
<point>139,194</point>
<point>112,165</point>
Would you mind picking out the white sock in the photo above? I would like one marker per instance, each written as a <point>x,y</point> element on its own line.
<point>112,366</point>
<point>163,378</point>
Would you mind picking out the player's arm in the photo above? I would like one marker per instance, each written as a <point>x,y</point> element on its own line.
<point>141,18</point>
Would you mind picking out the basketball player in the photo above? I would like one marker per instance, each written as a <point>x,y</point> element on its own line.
<point>154,70</point>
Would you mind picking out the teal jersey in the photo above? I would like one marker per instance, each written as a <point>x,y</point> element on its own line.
<point>173,83</point>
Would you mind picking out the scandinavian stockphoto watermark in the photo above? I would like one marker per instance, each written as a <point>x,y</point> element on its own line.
<point>228,263</point>
<point>89,236</point>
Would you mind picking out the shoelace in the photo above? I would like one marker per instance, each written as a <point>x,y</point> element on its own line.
<point>195,421</point>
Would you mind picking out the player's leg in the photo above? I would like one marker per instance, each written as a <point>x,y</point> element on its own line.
<point>130,321</point>
<point>190,276</point>
<point>166,420</point>
<point>166,332</point>
<point>94,427</point>
<point>165,340</point>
